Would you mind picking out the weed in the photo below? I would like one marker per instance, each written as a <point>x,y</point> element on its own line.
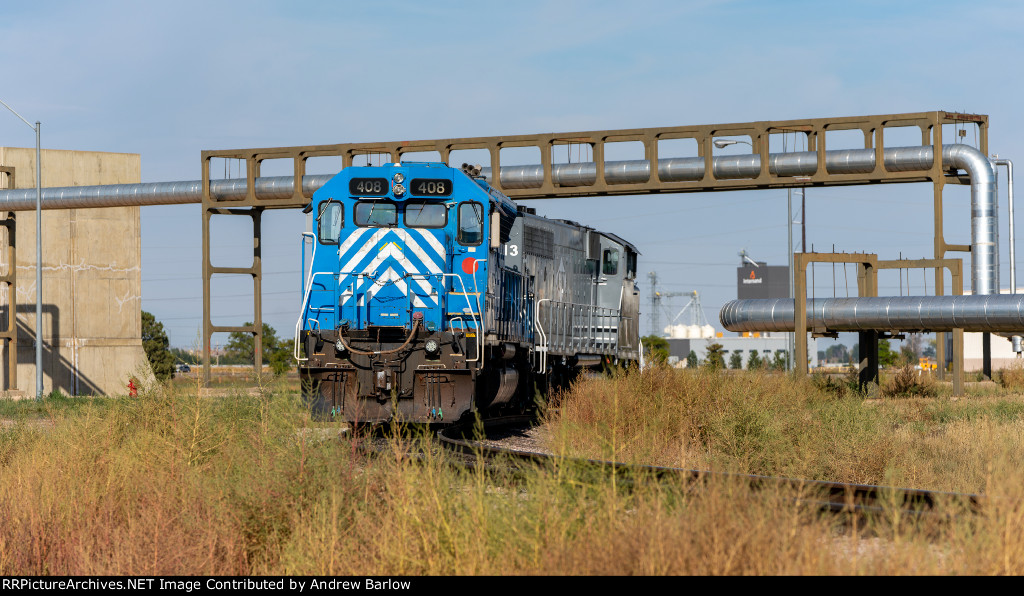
<point>909,382</point>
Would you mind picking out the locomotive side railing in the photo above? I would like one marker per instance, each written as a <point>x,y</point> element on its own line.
<point>581,328</point>
<point>512,313</point>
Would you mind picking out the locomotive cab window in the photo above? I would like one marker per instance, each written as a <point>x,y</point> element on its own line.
<point>471,223</point>
<point>611,261</point>
<point>330,222</point>
<point>375,214</point>
<point>426,215</point>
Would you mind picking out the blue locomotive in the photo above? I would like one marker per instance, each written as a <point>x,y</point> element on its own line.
<point>428,294</point>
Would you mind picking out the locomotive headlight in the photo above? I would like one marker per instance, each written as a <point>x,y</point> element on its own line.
<point>398,189</point>
<point>398,178</point>
<point>339,345</point>
<point>432,346</point>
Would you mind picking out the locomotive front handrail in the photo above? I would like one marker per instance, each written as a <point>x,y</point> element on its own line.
<point>479,325</point>
<point>302,313</point>
<point>306,291</point>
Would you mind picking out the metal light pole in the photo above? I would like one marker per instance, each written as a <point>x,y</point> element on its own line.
<point>790,337</point>
<point>39,257</point>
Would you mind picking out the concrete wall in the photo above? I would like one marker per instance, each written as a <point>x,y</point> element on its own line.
<point>92,283</point>
<point>1002,352</point>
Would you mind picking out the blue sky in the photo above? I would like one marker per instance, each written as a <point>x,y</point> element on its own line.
<point>168,80</point>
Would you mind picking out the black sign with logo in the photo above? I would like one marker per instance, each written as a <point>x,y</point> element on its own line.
<point>764,281</point>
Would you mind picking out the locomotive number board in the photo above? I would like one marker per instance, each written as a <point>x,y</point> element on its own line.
<point>430,187</point>
<point>368,187</point>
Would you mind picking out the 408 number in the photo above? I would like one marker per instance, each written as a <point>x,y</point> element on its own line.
<point>370,186</point>
<point>431,187</point>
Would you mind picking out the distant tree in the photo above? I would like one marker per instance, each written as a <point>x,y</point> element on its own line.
<point>906,356</point>
<point>821,356</point>
<point>185,356</point>
<point>655,348</point>
<point>754,362</point>
<point>736,360</point>
<point>886,355</point>
<point>691,360</point>
<point>242,346</point>
<point>715,358</point>
<point>929,350</point>
<point>780,360</point>
<point>837,353</point>
<point>155,343</point>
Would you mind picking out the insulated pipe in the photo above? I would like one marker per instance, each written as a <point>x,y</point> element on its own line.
<point>1015,340</point>
<point>155,193</point>
<point>993,313</point>
<point>984,229</point>
<point>984,223</point>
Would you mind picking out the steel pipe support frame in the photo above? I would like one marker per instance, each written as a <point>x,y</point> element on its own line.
<point>867,286</point>
<point>817,166</point>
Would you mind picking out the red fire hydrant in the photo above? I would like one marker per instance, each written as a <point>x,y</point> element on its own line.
<point>133,391</point>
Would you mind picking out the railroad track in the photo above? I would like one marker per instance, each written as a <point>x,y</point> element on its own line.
<point>836,497</point>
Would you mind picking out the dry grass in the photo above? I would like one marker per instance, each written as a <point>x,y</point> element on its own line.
<point>764,423</point>
<point>1012,378</point>
<point>175,484</point>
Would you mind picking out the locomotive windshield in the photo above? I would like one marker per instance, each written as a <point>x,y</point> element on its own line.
<point>375,214</point>
<point>426,215</point>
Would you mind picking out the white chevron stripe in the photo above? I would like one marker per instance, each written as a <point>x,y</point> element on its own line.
<point>351,240</point>
<point>367,288</point>
<point>433,242</point>
<point>388,277</point>
<point>427,260</point>
<point>364,249</point>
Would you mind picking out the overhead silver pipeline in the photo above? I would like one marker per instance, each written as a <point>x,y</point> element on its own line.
<point>154,193</point>
<point>984,229</point>
<point>984,222</point>
<point>995,313</point>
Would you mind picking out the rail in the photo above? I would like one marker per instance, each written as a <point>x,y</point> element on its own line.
<point>835,497</point>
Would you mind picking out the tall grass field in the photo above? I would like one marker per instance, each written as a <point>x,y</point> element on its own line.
<point>174,483</point>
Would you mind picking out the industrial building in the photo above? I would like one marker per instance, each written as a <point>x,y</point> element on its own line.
<point>754,280</point>
<point>92,282</point>
<point>1003,355</point>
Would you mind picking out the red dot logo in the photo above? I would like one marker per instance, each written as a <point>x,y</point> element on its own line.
<point>470,265</point>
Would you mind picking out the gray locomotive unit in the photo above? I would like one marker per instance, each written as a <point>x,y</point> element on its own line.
<point>429,295</point>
